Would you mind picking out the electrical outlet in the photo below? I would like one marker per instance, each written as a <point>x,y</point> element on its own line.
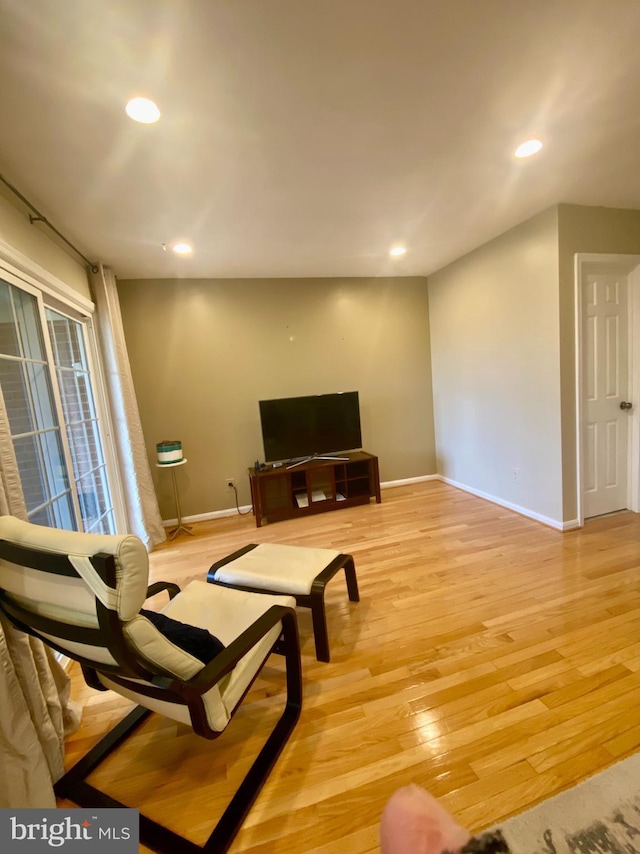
<point>231,483</point>
<point>515,475</point>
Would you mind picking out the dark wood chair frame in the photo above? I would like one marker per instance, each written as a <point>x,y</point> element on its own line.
<point>313,600</point>
<point>164,686</point>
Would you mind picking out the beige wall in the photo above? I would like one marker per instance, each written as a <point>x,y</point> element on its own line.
<point>494,318</point>
<point>595,230</point>
<point>203,352</point>
<point>33,242</point>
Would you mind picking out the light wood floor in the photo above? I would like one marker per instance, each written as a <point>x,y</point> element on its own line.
<point>492,660</point>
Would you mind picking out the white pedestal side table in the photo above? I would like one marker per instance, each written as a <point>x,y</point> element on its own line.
<point>186,528</point>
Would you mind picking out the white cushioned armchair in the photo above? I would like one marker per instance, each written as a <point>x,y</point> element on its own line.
<point>82,594</point>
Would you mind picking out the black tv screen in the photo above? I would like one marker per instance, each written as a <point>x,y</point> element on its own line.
<point>294,427</point>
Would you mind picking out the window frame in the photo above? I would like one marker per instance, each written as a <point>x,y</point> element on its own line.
<point>50,292</point>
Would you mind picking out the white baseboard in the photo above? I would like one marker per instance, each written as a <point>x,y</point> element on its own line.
<point>408,480</point>
<point>523,511</point>
<point>538,517</point>
<point>246,508</point>
<point>204,517</point>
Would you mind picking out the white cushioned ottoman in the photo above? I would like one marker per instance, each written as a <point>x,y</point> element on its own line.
<point>292,570</point>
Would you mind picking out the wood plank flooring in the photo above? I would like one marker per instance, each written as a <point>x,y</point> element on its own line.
<point>491,659</point>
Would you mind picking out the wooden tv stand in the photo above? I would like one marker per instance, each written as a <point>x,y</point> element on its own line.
<point>314,487</point>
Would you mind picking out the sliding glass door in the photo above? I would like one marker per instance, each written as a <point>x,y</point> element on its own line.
<point>51,408</point>
<point>81,422</point>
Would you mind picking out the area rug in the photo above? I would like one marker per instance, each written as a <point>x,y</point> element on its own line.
<point>598,816</point>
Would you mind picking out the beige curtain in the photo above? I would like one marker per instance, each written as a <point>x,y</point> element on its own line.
<point>143,514</point>
<point>35,709</point>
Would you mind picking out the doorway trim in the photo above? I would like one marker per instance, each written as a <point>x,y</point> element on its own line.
<point>587,263</point>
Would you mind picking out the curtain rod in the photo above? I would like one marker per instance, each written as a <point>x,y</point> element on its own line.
<point>39,217</point>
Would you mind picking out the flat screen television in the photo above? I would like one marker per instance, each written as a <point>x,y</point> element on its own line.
<point>301,427</point>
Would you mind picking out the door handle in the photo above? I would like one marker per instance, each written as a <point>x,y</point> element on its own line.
<point>625,404</point>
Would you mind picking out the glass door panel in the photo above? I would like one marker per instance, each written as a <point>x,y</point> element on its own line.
<point>52,415</point>
<point>29,400</point>
<point>81,421</point>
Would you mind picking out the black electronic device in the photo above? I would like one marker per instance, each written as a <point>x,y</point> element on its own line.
<point>300,428</point>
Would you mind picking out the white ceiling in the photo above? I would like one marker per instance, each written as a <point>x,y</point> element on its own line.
<point>306,137</point>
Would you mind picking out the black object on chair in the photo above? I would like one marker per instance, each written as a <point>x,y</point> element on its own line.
<point>82,595</point>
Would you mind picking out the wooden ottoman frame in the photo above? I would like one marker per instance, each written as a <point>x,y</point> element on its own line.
<point>313,600</point>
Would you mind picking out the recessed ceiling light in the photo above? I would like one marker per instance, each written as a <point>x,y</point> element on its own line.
<point>182,249</point>
<point>531,146</point>
<point>397,250</point>
<point>142,110</point>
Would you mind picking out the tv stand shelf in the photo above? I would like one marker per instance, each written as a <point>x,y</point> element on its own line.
<point>315,486</point>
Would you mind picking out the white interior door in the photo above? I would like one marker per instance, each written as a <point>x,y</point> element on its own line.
<point>605,374</point>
